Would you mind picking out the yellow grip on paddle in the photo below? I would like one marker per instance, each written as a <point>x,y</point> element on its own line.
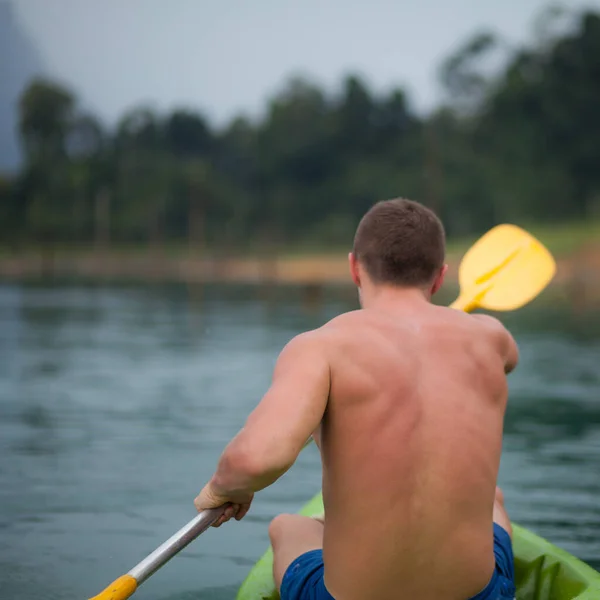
<point>120,589</point>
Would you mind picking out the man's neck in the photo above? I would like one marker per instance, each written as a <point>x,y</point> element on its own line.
<point>391,298</point>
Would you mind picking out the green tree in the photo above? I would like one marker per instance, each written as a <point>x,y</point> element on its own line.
<point>45,115</point>
<point>86,148</point>
<point>143,174</point>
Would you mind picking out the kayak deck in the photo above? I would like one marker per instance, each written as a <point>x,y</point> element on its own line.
<point>542,571</point>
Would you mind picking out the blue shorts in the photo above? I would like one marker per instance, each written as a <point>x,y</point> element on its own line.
<point>303,579</point>
<point>502,584</point>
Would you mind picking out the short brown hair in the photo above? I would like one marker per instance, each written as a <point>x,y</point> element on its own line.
<point>400,242</point>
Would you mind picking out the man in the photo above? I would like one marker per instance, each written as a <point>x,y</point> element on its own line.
<point>406,401</point>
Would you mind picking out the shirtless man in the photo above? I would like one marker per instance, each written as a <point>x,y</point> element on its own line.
<point>406,400</point>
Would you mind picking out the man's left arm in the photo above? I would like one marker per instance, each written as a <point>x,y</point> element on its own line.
<point>276,430</point>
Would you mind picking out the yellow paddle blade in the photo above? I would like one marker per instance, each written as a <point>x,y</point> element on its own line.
<point>503,270</point>
<point>120,589</point>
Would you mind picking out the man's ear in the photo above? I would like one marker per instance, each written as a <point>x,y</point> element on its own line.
<point>439,279</point>
<point>354,272</point>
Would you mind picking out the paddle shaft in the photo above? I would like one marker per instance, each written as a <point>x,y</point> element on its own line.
<point>126,585</point>
<point>179,540</point>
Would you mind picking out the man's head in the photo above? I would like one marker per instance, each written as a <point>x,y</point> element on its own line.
<point>399,243</point>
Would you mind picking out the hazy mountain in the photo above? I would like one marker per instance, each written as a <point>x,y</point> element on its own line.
<point>20,61</point>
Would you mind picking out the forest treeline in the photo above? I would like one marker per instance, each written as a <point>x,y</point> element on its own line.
<point>521,144</point>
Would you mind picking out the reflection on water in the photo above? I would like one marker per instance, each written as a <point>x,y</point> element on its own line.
<point>116,402</point>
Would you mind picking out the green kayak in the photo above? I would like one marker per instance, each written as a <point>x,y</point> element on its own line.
<point>543,571</point>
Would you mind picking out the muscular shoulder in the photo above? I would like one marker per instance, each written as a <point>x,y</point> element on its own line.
<point>500,337</point>
<point>304,358</point>
<point>320,339</point>
<point>307,343</point>
<point>344,321</point>
<point>491,324</point>
<point>347,328</point>
<point>326,341</point>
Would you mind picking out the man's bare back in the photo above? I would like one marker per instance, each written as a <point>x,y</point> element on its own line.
<point>411,444</point>
<point>406,400</point>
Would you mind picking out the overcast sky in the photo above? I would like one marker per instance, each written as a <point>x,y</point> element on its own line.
<point>228,56</point>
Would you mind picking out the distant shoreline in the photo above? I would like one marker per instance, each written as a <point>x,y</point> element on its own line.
<point>310,269</point>
<point>575,246</point>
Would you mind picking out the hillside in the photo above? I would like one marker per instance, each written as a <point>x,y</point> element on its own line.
<point>19,62</point>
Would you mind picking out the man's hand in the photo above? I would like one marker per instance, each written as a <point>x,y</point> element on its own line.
<point>237,506</point>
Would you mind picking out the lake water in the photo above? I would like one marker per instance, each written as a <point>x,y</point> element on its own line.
<point>115,403</point>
